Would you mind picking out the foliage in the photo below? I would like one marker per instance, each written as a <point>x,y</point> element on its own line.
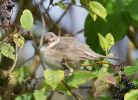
<point>7,50</point>
<point>53,78</point>
<point>26,96</point>
<point>131,70</point>
<point>18,39</point>
<point>98,9</point>
<point>107,23</point>
<point>26,20</point>
<point>120,17</point>
<point>39,95</point>
<point>107,42</point>
<point>133,95</point>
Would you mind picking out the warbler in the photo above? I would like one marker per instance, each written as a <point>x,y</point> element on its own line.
<point>65,52</point>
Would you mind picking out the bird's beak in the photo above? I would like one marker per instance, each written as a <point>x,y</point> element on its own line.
<point>49,42</point>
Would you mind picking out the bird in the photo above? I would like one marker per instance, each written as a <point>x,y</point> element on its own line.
<point>65,52</point>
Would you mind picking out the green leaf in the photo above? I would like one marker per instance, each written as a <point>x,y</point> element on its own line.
<point>98,9</point>
<point>26,19</point>
<point>62,6</point>
<point>39,95</point>
<point>22,72</point>
<point>102,41</point>
<point>26,96</point>
<point>63,89</point>
<point>109,40</point>
<point>73,1</point>
<point>132,9</point>
<point>85,2</point>
<point>80,77</point>
<point>7,50</point>
<point>53,77</point>
<point>112,25</point>
<point>93,15</point>
<point>114,6</point>
<point>132,95</point>
<point>18,40</point>
<point>131,70</point>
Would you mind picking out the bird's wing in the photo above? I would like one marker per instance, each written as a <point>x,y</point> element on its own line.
<point>78,49</point>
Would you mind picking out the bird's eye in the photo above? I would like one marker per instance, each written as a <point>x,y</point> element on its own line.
<point>46,41</point>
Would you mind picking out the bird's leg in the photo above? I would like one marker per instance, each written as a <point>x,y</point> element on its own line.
<point>65,64</point>
<point>70,69</point>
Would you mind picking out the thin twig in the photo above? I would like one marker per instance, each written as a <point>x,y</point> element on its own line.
<point>74,5</point>
<point>50,96</point>
<point>85,87</point>
<point>69,3</point>
<point>43,31</point>
<point>34,42</point>
<point>38,52</point>
<point>60,18</point>
<point>47,14</point>
<point>22,63</point>
<point>78,97</point>
<point>15,61</point>
<point>48,5</point>
<point>80,31</point>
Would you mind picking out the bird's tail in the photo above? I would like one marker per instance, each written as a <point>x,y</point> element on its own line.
<point>109,56</point>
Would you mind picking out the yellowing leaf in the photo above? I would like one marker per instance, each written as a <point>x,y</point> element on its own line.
<point>109,40</point>
<point>7,50</point>
<point>39,95</point>
<point>18,40</point>
<point>132,95</point>
<point>53,77</point>
<point>98,9</point>
<point>93,15</point>
<point>26,19</point>
<point>102,41</point>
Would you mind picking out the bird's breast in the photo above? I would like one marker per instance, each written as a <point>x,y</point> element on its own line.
<point>52,58</point>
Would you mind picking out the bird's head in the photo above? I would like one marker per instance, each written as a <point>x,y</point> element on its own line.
<point>50,39</point>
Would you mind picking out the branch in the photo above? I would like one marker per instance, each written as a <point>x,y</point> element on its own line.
<point>74,5</point>
<point>78,97</point>
<point>60,18</point>
<point>10,86</point>
<point>16,58</point>
<point>80,31</point>
<point>22,63</point>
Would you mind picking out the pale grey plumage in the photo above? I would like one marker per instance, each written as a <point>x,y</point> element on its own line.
<point>58,51</point>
